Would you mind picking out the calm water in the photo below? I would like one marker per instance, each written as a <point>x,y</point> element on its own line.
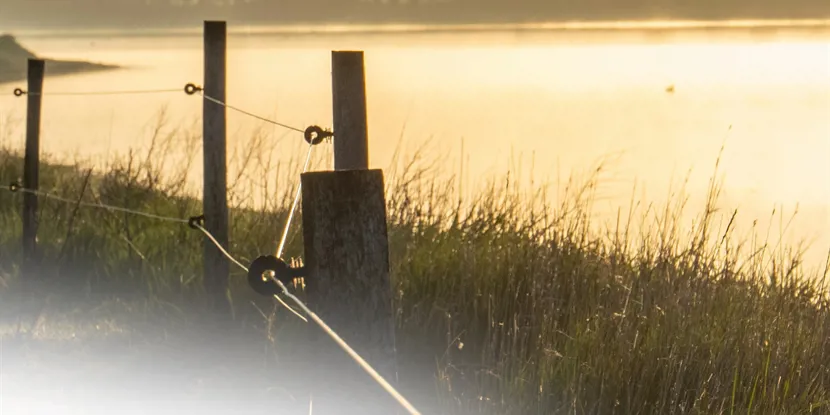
<point>559,102</point>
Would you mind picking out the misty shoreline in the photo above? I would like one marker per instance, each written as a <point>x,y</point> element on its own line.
<point>272,30</point>
<point>14,57</point>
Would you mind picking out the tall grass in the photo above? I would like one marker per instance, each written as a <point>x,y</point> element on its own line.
<point>514,304</point>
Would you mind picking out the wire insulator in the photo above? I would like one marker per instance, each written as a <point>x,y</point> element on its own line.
<point>191,89</point>
<point>196,221</point>
<point>14,187</point>
<point>315,135</point>
<point>259,282</point>
<point>267,285</point>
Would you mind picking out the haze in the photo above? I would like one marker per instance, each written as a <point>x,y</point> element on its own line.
<point>169,13</point>
<point>591,207</point>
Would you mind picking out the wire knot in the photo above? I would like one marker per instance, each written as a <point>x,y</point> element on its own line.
<point>315,135</point>
<point>192,88</point>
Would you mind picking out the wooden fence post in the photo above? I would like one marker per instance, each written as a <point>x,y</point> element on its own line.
<point>348,286</point>
<point>351,142</point>
<point>347,259</point>
<point>31,166</point>
<point>216,266</point>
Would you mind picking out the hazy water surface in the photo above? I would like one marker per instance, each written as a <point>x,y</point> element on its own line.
<point>565,100</point>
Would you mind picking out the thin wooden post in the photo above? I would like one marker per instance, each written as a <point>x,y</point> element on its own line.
<point>216,266</point>
<point>31,165</point>
<point>348,286</point>
<point>351,138</point>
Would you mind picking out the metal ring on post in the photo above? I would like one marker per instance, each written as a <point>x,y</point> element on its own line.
<point>315,135</point>
<point>264,285</point>
<point>19,92</point>
<point>191,89</point>
<point>196,221</point>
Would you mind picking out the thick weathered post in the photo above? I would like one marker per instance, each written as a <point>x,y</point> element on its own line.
<point>348,286</point>
<point>31,165</point>
<point>348,79</point>
<point>215,177</point>
<point>347,259</point>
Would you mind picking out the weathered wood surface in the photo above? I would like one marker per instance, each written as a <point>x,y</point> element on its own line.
<point>31,166</point>
<point>348,286</point>
<point>351,141</point>
<point>216,266</point>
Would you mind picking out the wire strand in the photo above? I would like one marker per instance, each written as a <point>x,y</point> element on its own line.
<point>152,216</point>
<point>294,205</point>
<point>159,91</point>
<point>340,342</point>
<point>343,345</point>
<point>250,114</point>
<point>291,309</point>
<point>219,246</point>
<point>244,268</point>
<point>122,92</point>
<point>331,333</point>
<point>99,205</point>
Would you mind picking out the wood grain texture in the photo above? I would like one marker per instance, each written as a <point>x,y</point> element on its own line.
<point>31,165</point>
<point>351,132</point>
<point>216,266</point>
<point>348,286</point>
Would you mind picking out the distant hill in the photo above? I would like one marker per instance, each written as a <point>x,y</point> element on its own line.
<point>113,14</point>
<point>14,57</point>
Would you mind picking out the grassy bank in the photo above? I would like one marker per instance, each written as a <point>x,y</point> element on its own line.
<point>513,303</point>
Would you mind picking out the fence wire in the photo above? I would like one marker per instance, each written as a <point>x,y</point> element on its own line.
<point>314,317</point>
<point>356,357</point>
<point>189,89</point>
<point>99,93</point>
<point>294,205</point>
<point>250,114</point>
<point>244,268</point>
<point>95,205</point>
